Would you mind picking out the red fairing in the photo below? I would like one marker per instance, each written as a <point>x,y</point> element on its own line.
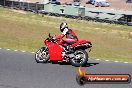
<point>54,51</point>
<point>80,42</point>
<point>70,40</point>
<point>72,33</point>
<point>60,36</point>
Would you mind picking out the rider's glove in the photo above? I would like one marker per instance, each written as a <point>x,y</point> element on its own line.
<point>54,38</point>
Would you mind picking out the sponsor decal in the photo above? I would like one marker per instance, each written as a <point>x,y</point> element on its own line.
<point>85,78</point>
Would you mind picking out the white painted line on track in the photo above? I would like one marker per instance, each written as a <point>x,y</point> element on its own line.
<point>16,50</point>
<point>106,60</point>
<point>125,62</point>
<point>23,51</point>
<point>8,49</point>
<point>32,52</point>
<point>97,59</point>
<point>0,48</point>
<point>116,61</point>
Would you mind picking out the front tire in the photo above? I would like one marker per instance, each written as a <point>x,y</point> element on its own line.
<point>42,55</point>
<point>80,59</point>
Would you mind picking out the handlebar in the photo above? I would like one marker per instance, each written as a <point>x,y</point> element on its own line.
<point>52,39</point>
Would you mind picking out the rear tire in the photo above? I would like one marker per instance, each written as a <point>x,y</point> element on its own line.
<point>79,60</point>
<point>42,55</point>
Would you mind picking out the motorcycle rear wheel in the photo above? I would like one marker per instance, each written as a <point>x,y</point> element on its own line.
<point>42,56</point>
<point>79,60</point>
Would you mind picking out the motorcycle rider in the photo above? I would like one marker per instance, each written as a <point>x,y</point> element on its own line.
<point>70,36</point>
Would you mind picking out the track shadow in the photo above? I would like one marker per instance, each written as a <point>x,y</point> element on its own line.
<point>91,64</point>
<point>61,63</point>
<point>66,63</point>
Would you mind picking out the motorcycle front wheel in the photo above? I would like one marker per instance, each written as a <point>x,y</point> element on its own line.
<point>80,59</point>
<point>42,55</point>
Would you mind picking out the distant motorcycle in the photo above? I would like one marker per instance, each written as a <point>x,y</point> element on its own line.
<point>54,51</point>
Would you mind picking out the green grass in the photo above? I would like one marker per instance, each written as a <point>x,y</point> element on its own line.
<point>26,31</point>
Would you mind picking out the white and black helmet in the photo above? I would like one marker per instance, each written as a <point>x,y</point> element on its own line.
<point>63,25</point>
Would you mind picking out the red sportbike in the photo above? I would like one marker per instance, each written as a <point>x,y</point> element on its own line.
<point>54,51</point>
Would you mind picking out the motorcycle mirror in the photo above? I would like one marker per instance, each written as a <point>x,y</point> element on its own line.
<point>49,35</point>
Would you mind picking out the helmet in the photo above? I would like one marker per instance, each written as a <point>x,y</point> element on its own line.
<point>63,25</point>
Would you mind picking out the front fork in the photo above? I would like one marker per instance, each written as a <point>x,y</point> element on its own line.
<point>44,48</point>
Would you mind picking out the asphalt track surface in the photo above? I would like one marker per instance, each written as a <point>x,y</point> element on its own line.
<point>19,70</point>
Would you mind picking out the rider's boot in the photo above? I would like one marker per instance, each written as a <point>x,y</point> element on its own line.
<point>69,50</point>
